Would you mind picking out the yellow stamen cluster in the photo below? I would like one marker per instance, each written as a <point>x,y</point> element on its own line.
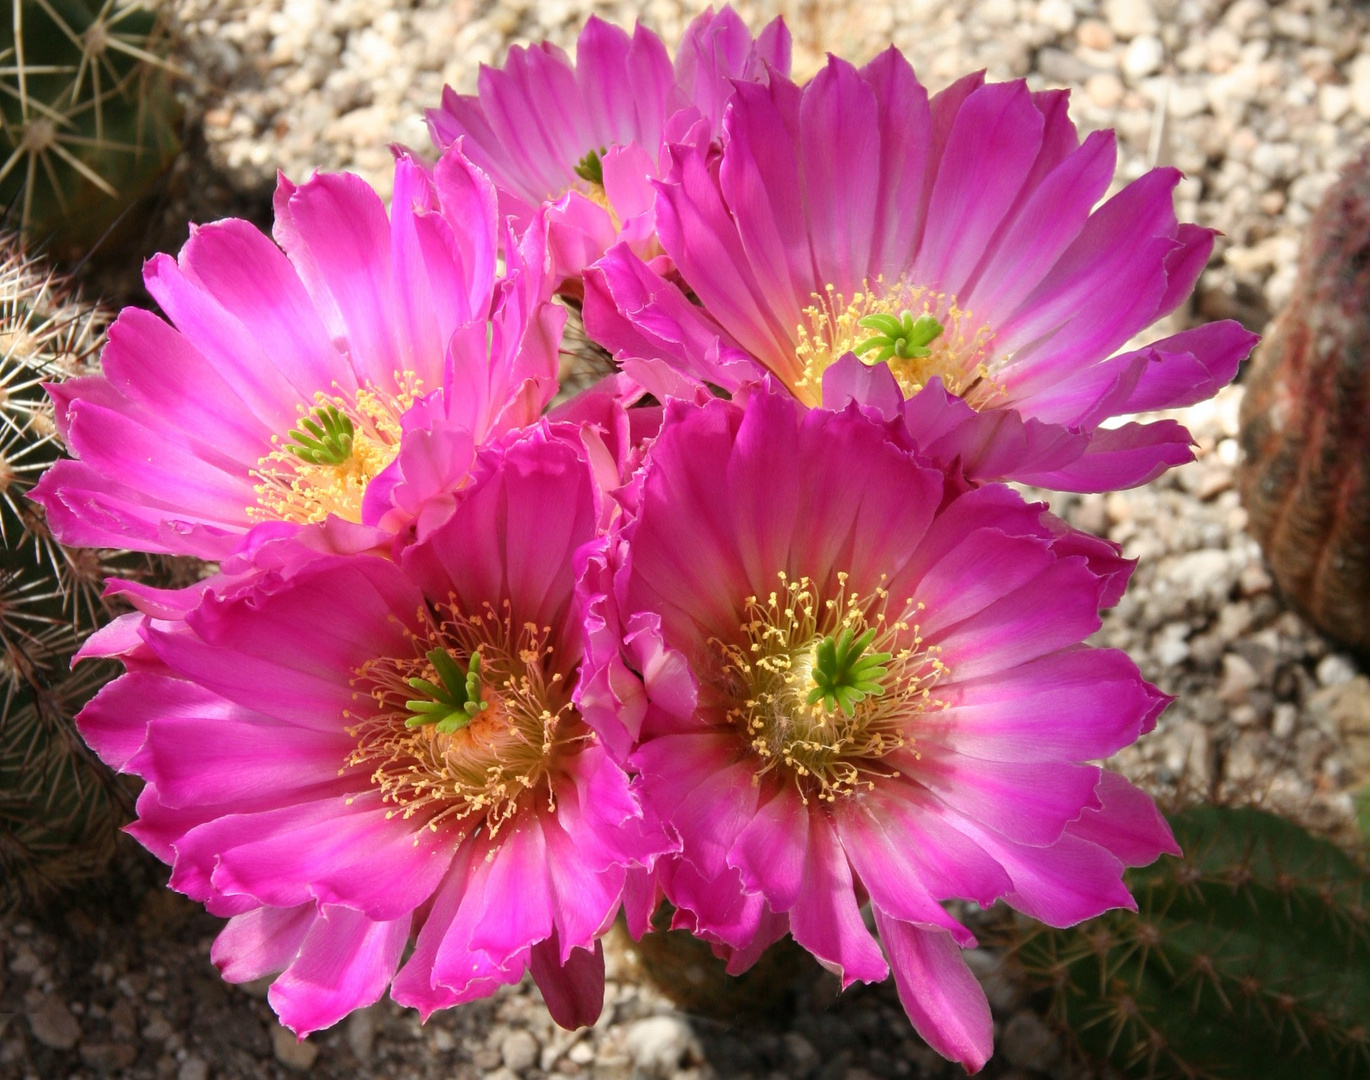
<point>765,683</point>
<point>292,488</point>
<point>493,766</point>
<point>962,354</point>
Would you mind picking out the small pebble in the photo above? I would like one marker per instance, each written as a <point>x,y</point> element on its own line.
<point>53,1025</point>
<point>290,1051</point>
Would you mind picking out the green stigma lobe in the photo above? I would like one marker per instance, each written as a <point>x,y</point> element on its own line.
<point>902,337</point>
<point>590,168</point>
<point>324,437</point>
<point>453,704</point>
<point>842,675</point>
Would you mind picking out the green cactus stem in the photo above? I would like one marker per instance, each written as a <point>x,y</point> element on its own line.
<point>1247,959</point>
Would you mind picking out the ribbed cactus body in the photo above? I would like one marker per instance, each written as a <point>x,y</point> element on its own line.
<point>1305,480</point>
<point>90,120</point>
<point>1249,958</point>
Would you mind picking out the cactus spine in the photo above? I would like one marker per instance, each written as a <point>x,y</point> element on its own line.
<point>60,809</point>
<point>88,118</point>
<point>1249,958</point>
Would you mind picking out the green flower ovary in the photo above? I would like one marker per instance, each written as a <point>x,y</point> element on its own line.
<point>842,676</point>
<point>590,168</point>
<point>903,336</point>
<point>456,702</point>
<point>325,437</point>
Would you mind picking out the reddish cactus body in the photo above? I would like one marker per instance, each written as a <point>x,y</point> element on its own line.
<point>1306,423</point>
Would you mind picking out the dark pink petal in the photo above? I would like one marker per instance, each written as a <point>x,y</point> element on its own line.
<point>342,850</point>
<point>221,755</point>
<point>826,918</point>
<point>250,278</point>
<point>115,722</point>
<point>1192,366</point>
<point>1073,705</point>
<point>345,963</point>
<point>230,347</point>
<point>689,782</point>
<point>535,498</point>
<point>1058,608</point>
<point>1049,221</point>
<point>872,386</point>
<point>1128,824</point>
<point>1103,289</point>
<point>947,1005</point>
<point>986,566</point>
<point>335,231</point>
<point>1122,457</point>
<point>417,985</point>
<point>1183,265</point>
<point>904,122</point>
<point>993,143</point>
<point>948,862</point>
<point>573,989</point>
<point>519,907</point>
<point>1066,883</point>
<point>699,233</point>
<point>771,851</point>
<point>1031,803</point>
<point>889,875</point>
<point>261,942</point>
<point>762,181</point>
<point>157,367</point>
<point>839,141</point>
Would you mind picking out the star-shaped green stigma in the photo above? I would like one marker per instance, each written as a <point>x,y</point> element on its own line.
<point>456,702</point>
<point>902,337</point>
<point>590,168</point>
<point>326,439</point>
<point>842,676</point>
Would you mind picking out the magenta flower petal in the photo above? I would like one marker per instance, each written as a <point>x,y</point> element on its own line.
<point>308,776</point>
<point>944,1000</point>
<point>579,141</point>
<point>345,962</point>
<point>197,439</point>
<point>973,211</point>
<point>877,691</point>
<point>1128,824</point>
<point>826,918</point>
<point>573,989</point>
<point>261,942</point>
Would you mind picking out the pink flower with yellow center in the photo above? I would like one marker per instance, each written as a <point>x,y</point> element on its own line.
<point>290,377</point>
<point>583,139</point>
<point>845,678</point>
<point>361,753</point>
<point>953,244</point>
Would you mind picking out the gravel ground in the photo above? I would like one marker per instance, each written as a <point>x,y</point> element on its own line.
<point>1260,104</point>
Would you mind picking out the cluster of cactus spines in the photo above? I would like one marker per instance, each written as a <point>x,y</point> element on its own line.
<point>87,116</point>
<point>1247,959</point>
<point>60,809</point>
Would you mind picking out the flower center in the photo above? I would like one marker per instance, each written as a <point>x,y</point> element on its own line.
<point>485,728</point>
<point>826,689</point>
<point>921,334</point>
<point>323,464</point>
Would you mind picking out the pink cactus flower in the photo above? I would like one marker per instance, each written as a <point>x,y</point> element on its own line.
<point>952,243</point>
<point>293,377</point>
<point>362,753</point>
<point>844,677</point>
<point>583,138</point>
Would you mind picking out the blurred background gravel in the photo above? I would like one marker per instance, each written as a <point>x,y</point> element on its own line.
<point>1260,105</point>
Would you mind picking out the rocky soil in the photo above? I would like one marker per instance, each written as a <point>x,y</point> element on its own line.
<point>1260,104</point>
